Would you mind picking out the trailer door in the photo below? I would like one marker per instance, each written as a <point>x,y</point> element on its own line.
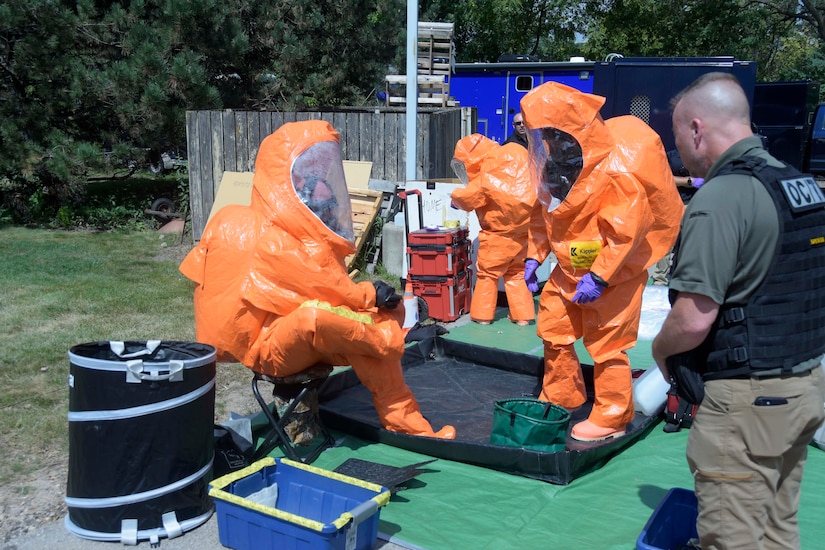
<point>644,86</point>
<point>521,82</point>
<point>518,84</point>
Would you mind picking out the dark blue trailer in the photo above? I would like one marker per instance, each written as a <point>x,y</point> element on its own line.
<point>495,89</point>
<point>644,86</point>
<point>638,86</point>
<point>782,113</point>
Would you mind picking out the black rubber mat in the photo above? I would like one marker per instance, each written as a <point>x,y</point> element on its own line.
<point>391,477</point>
<point>457,383</point>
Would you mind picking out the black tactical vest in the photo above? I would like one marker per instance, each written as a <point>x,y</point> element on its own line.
<point>783,322</point>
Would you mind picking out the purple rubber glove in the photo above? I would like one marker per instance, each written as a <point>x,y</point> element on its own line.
<point>453,206</point>
<point>588,290</point>
<point>530,267</point>
<point>697,182</point>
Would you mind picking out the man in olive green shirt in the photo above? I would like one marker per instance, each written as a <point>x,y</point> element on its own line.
<point>748,443</point>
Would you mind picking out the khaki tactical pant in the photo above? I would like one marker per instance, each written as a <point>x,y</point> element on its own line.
<point>747,459</point>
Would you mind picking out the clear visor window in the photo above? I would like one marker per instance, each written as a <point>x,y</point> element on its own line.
<point>460,170</point>
<point>318,180</point>
<point>555,163</point>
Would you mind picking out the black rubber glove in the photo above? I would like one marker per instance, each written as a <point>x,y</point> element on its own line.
<point>385,295</point>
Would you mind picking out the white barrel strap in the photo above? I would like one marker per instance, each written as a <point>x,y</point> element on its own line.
<point>119,347</point>
<point>171,525</point>
<point>135,373</point>
<point>129,532</point>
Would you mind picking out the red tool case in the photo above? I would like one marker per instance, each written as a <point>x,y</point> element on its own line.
<point>439,263</point>
<point>439,268</point>
<point>448,298</point>
<point>441,253</point>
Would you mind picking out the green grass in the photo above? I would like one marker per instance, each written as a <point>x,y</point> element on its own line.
<point>59,289</point>
<point>63,288</point>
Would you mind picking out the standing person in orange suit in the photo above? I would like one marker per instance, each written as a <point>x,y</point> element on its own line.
<point>272,288</point>
<point>611,211</point>
<point>504,200</point>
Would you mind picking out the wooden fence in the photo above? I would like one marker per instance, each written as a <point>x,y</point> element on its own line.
<point>220,141</point>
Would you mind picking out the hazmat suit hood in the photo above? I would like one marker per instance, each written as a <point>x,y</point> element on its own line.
<point>567,139</point>
<point>469,154</point>
<point>639,151</point>
<point>299,186</point>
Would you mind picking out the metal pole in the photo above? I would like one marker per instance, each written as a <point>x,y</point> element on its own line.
<point>412,87</point>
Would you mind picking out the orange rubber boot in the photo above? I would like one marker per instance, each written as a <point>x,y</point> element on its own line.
<point>563,383</point>
<point>613,409</point>
<point>395,403</point>
<point>519,298</point>
<point>587,431</point>
<point>400,413</point>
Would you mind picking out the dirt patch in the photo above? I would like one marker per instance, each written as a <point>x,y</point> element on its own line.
<point>33,501</point>
<point>172,249</point>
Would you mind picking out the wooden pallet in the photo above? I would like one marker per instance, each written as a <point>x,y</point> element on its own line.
<point>365,206</point>
<point>434,60</point>
<point>432,90</point>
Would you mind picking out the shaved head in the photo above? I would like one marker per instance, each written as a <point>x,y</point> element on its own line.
<point>709,116</point>
<point>717,95</point>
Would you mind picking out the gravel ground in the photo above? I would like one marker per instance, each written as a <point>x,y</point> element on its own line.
<point>32,513</point>
<point>36,500</point>
<point>32,509</point>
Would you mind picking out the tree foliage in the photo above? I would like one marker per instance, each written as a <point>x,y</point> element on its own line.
<point>88,85</point>
<point>313,54</point>
<point>486,30</point>
<point>685,28</point>
<point>782,40</point>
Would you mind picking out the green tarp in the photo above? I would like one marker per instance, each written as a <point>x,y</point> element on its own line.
<point>452,505</point>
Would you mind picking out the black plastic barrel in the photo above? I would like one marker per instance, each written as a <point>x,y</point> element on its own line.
<point>141,417</point>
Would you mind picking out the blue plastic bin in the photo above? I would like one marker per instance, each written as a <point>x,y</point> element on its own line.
<point>315,508</point>
<point>672,524</point>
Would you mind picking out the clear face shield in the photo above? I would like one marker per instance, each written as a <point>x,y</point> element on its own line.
<point>318,180</point>
<point>555,164</point>
<point>460,170</point>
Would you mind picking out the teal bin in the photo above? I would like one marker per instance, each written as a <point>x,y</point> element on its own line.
<point>306,507</point>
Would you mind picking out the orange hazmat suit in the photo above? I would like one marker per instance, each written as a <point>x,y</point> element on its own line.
<point>611,210</point>
<point>272,290</point>
<point>504,200</point>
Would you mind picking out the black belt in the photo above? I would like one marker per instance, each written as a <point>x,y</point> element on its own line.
<point>764,376</point>
<point>784,375</point>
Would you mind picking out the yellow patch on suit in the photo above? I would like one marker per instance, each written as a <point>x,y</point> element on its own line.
<point>584,253</point>
<point>364,318</point>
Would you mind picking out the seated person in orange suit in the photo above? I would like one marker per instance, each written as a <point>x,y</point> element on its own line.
<point>272,289</point>
<point>504,199</point>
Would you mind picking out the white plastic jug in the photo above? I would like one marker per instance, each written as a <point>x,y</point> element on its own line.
<point>650,392</point>
<point>410,307</point>
<point>819,437</point>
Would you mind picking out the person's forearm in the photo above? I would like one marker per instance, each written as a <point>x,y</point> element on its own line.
<point>685,328</point>
<point>688,181</point>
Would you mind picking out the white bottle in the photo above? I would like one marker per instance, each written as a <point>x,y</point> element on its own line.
<point>410,307</point>
<point>819,437</point>
<point>650,392</point>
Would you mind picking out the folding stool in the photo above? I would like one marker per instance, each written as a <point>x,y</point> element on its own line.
<point>290,393</point>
